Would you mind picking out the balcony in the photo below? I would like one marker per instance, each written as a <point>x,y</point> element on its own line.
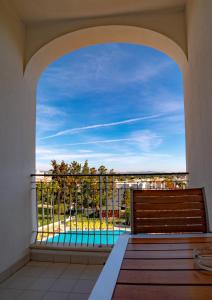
<point>31,37</point>
<point>78,221</point>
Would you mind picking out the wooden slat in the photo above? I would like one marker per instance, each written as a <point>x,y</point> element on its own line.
<point>158,268</point>
<point>170,229</point>
<point>181,240</point>
<point>174,213</point>
<point>159,264</point>
<point>169,221</point>
<point>168,199</point>
<point>168,206</point>
<point>164,277</point>
<point>159,254</point>
<point>173,247</point>
<point>151,292</point>
<point>159,211</point>
<point>167,192</point>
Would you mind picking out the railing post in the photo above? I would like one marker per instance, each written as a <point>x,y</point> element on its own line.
<point>100,207</point>
<point>106,204</point>
<point>113,197</point>
<point>42,211</point>
<point>34,202</point>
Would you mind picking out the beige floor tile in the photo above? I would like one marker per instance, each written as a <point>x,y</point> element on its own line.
<point>42,284</point>
<point>59,265</point>
<point>91,272</point>
<point>17,282</point>
<point>84,286</point>
<point>63,285</point>
<point>31,295</point>
<point>50,273</point>
<point>31,271</point>
<point>55,296</point>
<point>74,296</point>
<point>54,270</point>
<point>80,267</point>
<point>9,294</point>
<point>73,272</point>
<point>44,280</point>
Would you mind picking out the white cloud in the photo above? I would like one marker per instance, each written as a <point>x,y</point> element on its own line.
<point>149,162</point>
<point>155,162</point>
<point>85,151</point>
<point>50,111</point>
<point>43,154</point>
<point>78,129</point>
<point>148,71</point>
<point>146,140</point>
<point>73,156</point>
<point>103,71</point>
<point>100,142</point>
<point>42,150</point>
<point>44,125</point>
<point>49,118</point>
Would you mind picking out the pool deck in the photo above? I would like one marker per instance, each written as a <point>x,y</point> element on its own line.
<point>45,280</point>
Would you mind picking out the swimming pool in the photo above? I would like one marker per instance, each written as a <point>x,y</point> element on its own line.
<point>97,237</point>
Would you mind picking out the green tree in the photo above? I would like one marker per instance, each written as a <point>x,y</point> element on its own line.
<point>102,170</point>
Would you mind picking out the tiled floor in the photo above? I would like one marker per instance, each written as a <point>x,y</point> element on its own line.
<point>40,280</point>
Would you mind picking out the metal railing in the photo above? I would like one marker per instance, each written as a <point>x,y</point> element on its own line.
<point>91,209</point>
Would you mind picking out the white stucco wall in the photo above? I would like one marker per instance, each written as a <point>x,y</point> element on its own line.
<point>16,142</point>
<point>18,42</point>
<point>198,97</point>
<point>169,23</point>
<point>17,102</point>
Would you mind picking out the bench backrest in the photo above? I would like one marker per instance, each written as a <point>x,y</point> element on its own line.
<point>168,211</point>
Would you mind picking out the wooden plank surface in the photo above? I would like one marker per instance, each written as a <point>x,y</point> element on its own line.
<point>168,213</point>
<point>159,254</point>
<point>167,192</point>
<point>168,199</point>
<point>158,220</point>
<point>157,292</point>
<point>159,264</point>
<point>181,240</point>
<point>180,277</point>
<point>163,269</point>
<point>171,228</point>
<point>155,247</point>
<point>168,206</point>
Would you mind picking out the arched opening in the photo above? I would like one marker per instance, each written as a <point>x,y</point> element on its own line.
<point>118,105</point>
<point>106,190</point>
<point>98,35</point>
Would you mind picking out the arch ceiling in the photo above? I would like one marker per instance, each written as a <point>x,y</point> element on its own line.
<point>39,10</point>
<point>97,35</point>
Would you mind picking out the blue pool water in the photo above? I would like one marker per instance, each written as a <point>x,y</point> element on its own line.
<point>105,237</point>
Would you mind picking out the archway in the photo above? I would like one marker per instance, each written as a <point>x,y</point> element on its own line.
<point>139,91</point>
<point>97,35</point>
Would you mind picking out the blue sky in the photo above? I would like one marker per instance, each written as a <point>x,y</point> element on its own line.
<point>120,105</point>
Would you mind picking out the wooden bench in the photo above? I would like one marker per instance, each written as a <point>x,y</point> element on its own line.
<point>168,211</point>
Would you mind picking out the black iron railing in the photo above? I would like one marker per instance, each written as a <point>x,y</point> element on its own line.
<point>90,209</point>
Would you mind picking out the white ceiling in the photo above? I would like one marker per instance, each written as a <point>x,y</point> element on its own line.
<point>40,10</point>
